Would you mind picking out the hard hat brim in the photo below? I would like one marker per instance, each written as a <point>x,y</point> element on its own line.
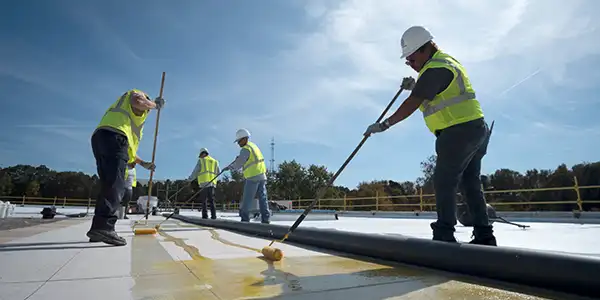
<point>236,140</point>
<point>405,55</point>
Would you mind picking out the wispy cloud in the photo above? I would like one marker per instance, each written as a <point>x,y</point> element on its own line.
<point>85,14</point>
<point>338,72</point>
<point>314,84</point>
<point>75,131</point>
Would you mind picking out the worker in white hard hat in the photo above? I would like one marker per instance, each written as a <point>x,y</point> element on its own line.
<point>252,162</point>
<point>443,93</point>
<point>206,173</point>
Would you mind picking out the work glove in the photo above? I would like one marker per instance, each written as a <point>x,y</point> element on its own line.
<point>148,165</point>
<point>408,83</point>
<point>160,102</point>
<point>377,127</point>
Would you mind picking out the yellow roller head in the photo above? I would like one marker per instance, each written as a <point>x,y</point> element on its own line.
<point>271,253</point>
<point>139,231</point>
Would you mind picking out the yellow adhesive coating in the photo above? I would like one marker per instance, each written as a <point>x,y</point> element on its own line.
<point>313,276</point>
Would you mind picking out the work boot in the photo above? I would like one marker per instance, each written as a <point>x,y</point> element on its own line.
<point>442,234</point>
<point>213,217</point>
<point>106,236</point>
<point>483,235</point>
<point>265,222</point>
<point>489,241</point>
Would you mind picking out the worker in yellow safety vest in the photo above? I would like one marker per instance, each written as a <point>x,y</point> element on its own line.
<point>254,170</point>
<point>114,144</point>
<point>446,98</point>
<point>206,172</point>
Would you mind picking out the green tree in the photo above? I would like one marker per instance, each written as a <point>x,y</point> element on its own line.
<point>33,188</point>
<point>428,168</point>
<point>6,185</point>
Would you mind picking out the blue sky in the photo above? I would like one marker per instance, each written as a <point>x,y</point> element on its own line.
<point>311,74</point>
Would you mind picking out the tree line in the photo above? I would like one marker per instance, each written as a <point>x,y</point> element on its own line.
<point>293,181</point>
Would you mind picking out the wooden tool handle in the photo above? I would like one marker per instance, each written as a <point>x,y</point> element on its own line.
<point>162,85</point>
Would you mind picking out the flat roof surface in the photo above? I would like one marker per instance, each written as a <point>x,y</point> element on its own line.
<point>569,238</point>
<point>185,261</point>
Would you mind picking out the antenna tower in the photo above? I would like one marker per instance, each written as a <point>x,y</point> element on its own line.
<point>272,155</point>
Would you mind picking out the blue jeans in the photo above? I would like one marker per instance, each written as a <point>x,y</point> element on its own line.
<point>254,188</point>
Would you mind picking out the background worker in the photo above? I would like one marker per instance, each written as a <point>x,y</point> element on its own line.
<point>115,143</point>
<point>254,171</point>
<point>206,171</point>
<point>130,183</point>
<point>453,114</point>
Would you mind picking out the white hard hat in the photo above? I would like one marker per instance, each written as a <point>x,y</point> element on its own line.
<point>413,38</point>
<point>203,150</point>
<point>240,134</point>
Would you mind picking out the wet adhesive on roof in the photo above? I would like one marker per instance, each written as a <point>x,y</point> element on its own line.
<point>198,276</point>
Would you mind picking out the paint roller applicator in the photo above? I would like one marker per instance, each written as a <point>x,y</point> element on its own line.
<point>272,253</point>
<point>142,231</point>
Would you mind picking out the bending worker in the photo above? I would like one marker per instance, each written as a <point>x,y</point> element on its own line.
<point>206,172</point>
<point>115,143</point>
<point>252,162</point>
<point>453,114</point>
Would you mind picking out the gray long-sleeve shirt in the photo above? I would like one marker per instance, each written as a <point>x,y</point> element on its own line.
<point>239,162</point>
<point>197,169</point>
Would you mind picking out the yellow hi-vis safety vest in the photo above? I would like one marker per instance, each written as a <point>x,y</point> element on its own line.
<point>120,116</point>
<point>208,170</point>
<point>134,182</point>
<point>255,165</point>
<point>457,103</point>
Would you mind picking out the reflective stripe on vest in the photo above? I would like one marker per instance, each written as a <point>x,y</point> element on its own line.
<point>208,170</point>
<point>255,165</point>
<point>463,96</point>
<point>458,92</point>
<point>121,117</point>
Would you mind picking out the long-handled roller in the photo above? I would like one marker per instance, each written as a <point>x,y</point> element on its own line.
<point>275,254</point>
<point>152,230</point>
<point>157,227</point>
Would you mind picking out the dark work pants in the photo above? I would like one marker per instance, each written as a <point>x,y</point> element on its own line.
<point>208,195</point>
<point>460,149</point>
<point>110,151</point>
